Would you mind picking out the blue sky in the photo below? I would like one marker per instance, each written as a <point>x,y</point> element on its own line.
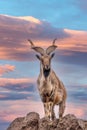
<point>71,14</point>
<point>41,21</point>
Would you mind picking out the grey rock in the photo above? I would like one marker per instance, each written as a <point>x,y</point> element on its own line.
<point>70,122</point>
<point>32,121</point>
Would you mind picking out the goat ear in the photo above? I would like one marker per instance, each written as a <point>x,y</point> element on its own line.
<point>39,50</point>
<point>51,49</point>
<point>38,57</point>
<point>52,55</point>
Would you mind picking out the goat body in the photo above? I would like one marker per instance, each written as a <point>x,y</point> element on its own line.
<point>52,91</point>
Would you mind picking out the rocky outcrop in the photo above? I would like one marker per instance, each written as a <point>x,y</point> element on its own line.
<point>32,121</point>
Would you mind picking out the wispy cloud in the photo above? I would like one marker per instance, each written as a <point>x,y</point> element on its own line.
<point>76,41</point>
<point>20,108</point>
<point>6,68</point>
<point>17,84</point>
<point>17,89</point>
<point>72,57</point>
<point>78,110</point>
<point>17,109</point>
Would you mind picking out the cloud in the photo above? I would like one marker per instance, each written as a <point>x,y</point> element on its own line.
<point>21,84</point>
<point>73,49</point>
<point>15,31</point>
<point>77,94</point>
<point>30,19</point>
<point>19,108</point>
<point>16,96</point>
<point>6,68</point>
<point>77,110</point>
<point>63,14</point>
<point>71,73</point>
<point>29,27</point>
<point>76,41</point>
<point>72,57</point>
<point>12,96</point>
<point>17,89</point>
<point>16,109</point>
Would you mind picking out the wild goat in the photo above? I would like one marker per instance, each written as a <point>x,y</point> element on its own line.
<point>51,89</point>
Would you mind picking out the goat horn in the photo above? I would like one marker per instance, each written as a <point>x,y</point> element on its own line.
<point>54,41</point>
<point>51,48</point>
<point>37,49</point>
<point>32,44</point>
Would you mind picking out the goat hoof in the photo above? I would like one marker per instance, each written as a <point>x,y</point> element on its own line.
<point>60,119</point>
<point>50,122</point>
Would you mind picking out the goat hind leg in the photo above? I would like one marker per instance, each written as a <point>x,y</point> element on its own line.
<point>61,109</point>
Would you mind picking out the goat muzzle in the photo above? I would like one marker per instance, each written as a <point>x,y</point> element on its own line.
<point>46,72</point>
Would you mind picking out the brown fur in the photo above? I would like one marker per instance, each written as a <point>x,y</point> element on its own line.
<point>51,89</point>
<point>57,95</point>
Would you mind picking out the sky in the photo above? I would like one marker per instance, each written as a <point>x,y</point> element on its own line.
<point>41,21</point>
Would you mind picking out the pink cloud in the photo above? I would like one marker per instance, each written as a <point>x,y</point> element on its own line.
<point>21,108</point>
<point>78,111</point>
<point>16,30</point>
<point>4,81</point>
<point>30,19</point>
<point>14,35</point>
<point>23,85</point>
<point>76,42</point>
<point>6,68</point>
<point>2,96</point>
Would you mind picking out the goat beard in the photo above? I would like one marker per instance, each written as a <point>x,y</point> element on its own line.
<point>46,72</point>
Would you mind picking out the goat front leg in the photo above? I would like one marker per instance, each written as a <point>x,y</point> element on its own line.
<point>48,108</point>
<point>61,109</point>
<point>53,113</point>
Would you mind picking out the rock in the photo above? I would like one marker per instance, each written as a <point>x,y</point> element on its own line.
<point>70,122</point>
<point>46,124</point>
<point>16,124</point>
<point>32,121</point>
<point>85,125</point>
